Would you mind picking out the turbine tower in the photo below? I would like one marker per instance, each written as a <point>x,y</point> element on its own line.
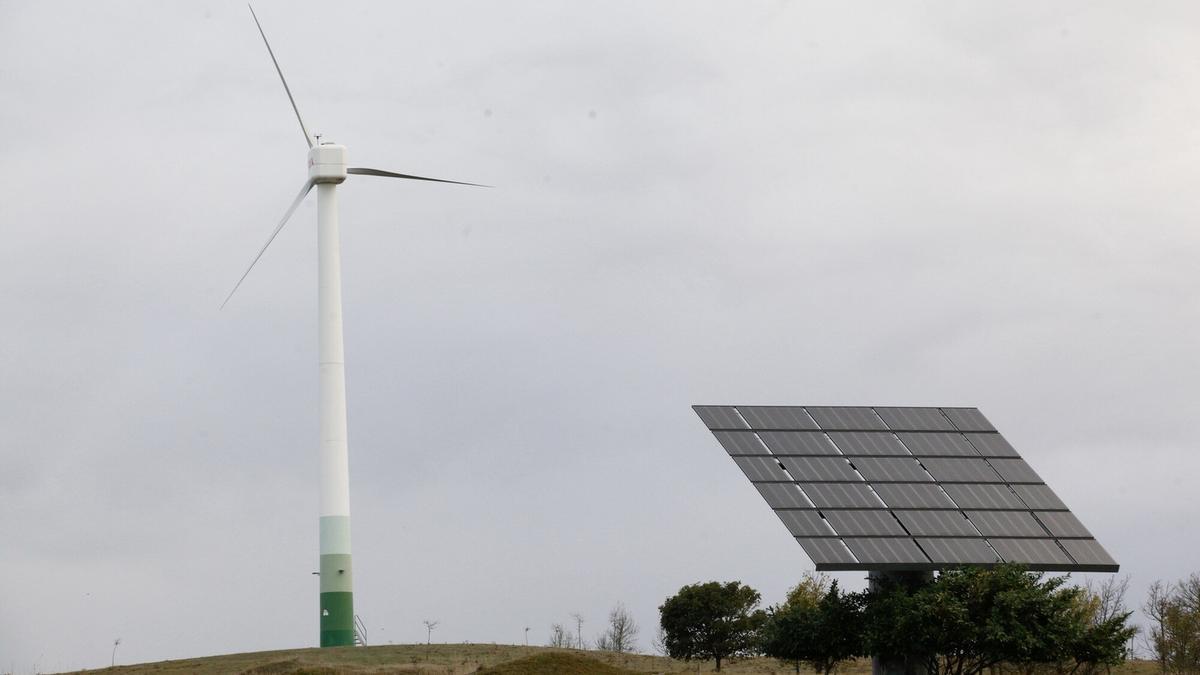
<point>326,170</point>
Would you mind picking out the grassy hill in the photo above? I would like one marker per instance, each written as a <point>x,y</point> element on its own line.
<point>461,659</point>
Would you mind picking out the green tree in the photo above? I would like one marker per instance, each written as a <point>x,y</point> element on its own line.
<point>821,635</point>
<point>971,619</point>
<point>711,621</point>
<point>808,593</point>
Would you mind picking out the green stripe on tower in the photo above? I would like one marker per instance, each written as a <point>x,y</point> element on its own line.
<point>337,619</point>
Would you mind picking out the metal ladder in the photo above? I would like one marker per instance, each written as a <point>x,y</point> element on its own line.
<point>360,632</point>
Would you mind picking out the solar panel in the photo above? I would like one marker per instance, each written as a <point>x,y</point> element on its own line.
<point>1039,497</point>
<point>804,523</point>
<point>968,419</point>
<point>827,551</point>
<point>970,496</point>
<point>959,551</point>
<point>876,523</point>
<point>889,551</point>
<point>890,469</point>
<point>777,417</point>
<point>798,442</point>
<point>719,416</point>
<point>924,444</point>
<point>991,445</point>
<point>783,495</point>
<point>937,523</point>
<point>1062,524</point>
<point>846,418</point>
<point>740,442</point>
<point>867,443</point>
<point>820,468</point>
<point>1006,523</point>
<point>882,488</point>
<point>915,419</point>
<point>909,496</point>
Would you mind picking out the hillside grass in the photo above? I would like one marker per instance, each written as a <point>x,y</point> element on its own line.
<point>459,659</point>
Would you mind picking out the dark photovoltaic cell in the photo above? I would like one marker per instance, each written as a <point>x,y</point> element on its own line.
<point>983,496</point>
<point>1062,524</point>
<point>959,551</point>
<point>1087,552</point>
<point>870,523</point>
<point>804,523</point>
<point>761,468</point>
<point>827,551</point>
<point>777,417</point>
<point>907,496</point>
<point>841,495</point>
<point>1030,551</point>
<point>937,445</point>
<point>719,416</point>
<point>740,442</point>
<point>1006,523</point>
<point>1015,471</point>
<point>960,470</point>
<point>883,469</point>
<point>1039,497</point>
<point>820,468</point>
<point>885,551</point>
<point>915,419</point>
<point>846,418</point>
<point>968,419</point>
<point>991,445</point>
<point>867,443</point>
<point>783,495</point>
<point>882,488</point>
<point>936,523</point>
<point>797,442</point>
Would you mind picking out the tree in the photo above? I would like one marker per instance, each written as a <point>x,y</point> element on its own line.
<point>430,624</point>
<point>821,635</point>
<point>711,621</point>
<point>1174,612</point>
<point>810,591</point>
<point>971,619</point>
<point>621,634</point>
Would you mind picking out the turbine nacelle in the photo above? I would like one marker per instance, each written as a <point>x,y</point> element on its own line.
<point>327,163</point>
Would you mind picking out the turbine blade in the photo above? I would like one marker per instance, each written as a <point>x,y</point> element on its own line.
<point>307,137</point>
<point>291,209</point>
<point>388,174</point>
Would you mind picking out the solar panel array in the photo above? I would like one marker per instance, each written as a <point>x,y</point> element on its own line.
<point>886,488</point>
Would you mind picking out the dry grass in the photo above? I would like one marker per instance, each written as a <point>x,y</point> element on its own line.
<point>483,659</point>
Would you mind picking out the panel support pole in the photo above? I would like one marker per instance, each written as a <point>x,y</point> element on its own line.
<point>897,664</point>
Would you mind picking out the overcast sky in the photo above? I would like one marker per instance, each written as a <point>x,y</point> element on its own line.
<point>743,203</point>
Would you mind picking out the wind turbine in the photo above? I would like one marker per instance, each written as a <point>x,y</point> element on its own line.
<point>326,170</point>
